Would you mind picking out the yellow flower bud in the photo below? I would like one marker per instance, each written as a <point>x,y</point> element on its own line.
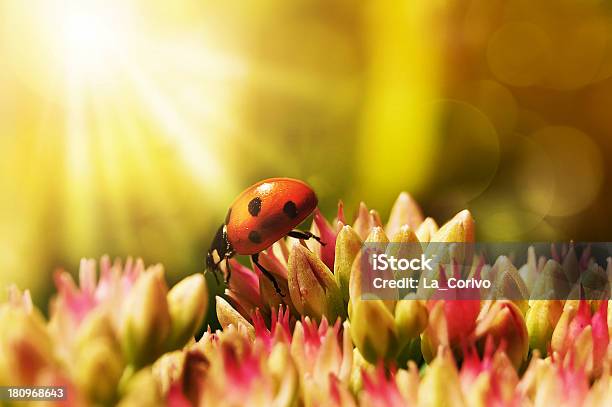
<point>141,389</point>
<point>145,319</point>
<point>284,372</point>
<point>187,303</point>
<point>98,369</point>
<point>348,245</point>
<point>541,319</point>
<point>229,316</point>
<point>405,211</point>
<point>440,385</point>
<point>459,229</point>
<point>25,346</point>
<point>411,318</point>
<point>373,330</point>
<point>427,230</point>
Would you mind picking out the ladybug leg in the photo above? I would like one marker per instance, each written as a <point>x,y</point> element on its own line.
<point>212,267</point>
<point>298,234</point>
<point>255,258</point>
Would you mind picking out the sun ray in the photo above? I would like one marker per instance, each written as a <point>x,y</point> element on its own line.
<point>109,160</point>
<point>141,148</point>
<point>79,210</point>
<point>202,161</point>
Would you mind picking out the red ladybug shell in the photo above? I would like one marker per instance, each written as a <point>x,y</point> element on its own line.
<point>267,211</point>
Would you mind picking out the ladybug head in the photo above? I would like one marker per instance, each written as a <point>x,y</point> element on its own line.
<point>220,248</point>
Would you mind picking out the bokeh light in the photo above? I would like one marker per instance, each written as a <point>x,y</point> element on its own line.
<point>576,163</point>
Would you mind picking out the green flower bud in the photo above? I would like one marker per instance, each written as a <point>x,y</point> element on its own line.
<point>373,330</point>
<point>96,325</point>
<point>541,319</point>
<point>348,245</point>
<point>145,319</point>
<point>551,283</point>
<point>508,284</point>
<point>312,287</point>
<point>141,389</point>
<point>98,369</point>
<point>411,319</point>
<point>187,304</point>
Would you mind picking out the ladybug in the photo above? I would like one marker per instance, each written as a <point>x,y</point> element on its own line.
<point>261,215</point>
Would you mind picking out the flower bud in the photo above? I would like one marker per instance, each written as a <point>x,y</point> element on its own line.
<point>365,221</point>
<point>358,367</point>
<point>541,319</point>
<point>405,211</point>
<point>373,329</point>
<point>187,303</point>
<point>551,283</point>
<point>283,371</point>
<point>348,245</point>
<point>410,319</point>
<point>377,235</point>
<point>582,336</point>
<point>440,385</point>
<point>93,358</point>
<point>451,323</point>
<point>19,299</point>
<point>328,236</point>
<point>25,346</point>
<point>506,283</point>
<point>312,287</point>
<point>244,287</point>
<point>406,235</point>
<point>96,325</point>
<point>145,319</point>
<point>169,369</point>
<point>504,322</point>
<point>529,271</point>
<point>275,262</point>
<point>459,229</point>
<point>561,334</point>
<point>141,389</point>
<point>229,316</point>
<point>427,230</point>
<point>407,381</point>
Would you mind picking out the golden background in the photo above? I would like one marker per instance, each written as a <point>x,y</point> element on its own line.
<point>128,126</point>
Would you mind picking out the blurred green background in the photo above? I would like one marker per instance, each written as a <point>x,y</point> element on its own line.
<point>127,127</point>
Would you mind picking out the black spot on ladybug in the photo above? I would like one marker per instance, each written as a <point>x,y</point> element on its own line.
<point>255,237</point>
<point>227,217</point>
<point>290,209</point>
<point>255,206</point>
